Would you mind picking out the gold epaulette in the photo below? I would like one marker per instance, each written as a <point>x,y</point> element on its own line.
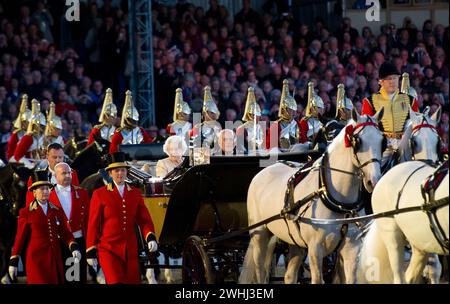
<point>99,126</point>
<point>110,187</point>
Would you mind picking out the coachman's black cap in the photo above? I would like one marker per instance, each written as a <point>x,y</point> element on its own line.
<point>40,178</point>
<point>116,160</point>
<point>387,69</point>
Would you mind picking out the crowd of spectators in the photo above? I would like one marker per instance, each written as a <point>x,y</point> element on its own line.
<point>72,63</point>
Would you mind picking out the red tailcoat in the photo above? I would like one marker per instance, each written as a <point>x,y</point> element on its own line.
<point>111,231</point>
<point>79,213</point>
<point>117,139</point>
<point>40,234</point>
<point>30,197</point>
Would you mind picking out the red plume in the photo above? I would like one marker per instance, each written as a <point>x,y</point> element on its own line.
<point>348,135</point>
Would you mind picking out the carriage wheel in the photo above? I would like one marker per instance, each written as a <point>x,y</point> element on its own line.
<point>196,266</point>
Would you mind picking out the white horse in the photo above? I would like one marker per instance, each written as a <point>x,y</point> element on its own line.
<point>420,142</point>
<point>381,258</point>
<point>342,175</point>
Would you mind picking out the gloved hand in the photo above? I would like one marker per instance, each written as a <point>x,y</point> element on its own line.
<point>93,263</point>
<point>12,270</point>
<point>100,277</point>
<point>76,254</point>
<point>152,246</point>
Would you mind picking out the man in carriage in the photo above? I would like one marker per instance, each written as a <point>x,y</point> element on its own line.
<point>53,128</point>
<point>129,131</point>
<point>344,108</point>
<point>286,127</point>
<point>207,131</point>
<point>103,132</point>
<point>311,124</point>
<point>20,126</point>
<point>396,110</point>
<point>250,135</point>
<point>31,146</point>
<point>181,114</point>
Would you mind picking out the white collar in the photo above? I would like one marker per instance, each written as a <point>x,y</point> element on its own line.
<point>62,188</point>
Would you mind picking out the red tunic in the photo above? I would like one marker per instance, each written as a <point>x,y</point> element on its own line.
<point>94,132</point>
<point>117,139</point>
<point>303,126</point>
<point>79,213</point>
<point>23,146</point>
<point>111,231</point>
<point>40,234</point>
<point>12,144</point>
<point>30,197</point>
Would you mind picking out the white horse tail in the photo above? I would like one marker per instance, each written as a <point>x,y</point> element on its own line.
<point>373,262</point>
<point>247,275</point>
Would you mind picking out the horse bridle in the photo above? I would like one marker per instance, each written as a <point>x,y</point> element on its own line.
<point>355,154</point>
<point>423,124</point>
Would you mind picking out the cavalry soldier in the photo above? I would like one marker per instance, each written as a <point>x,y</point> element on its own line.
<point>103,132</point>
<point>32,143</point>
<point>209,129</point>
<point>129,131</point>
<point>250,136</point>
<point>310,125</point>
<point>181,125</point>
<point>111,236</point>
<point>286,127</point>
<point>396,110</point>
<point>344,107</point>
<point>74,201</point>
<point>53,128</point>
<point>54,156</point>
<point>40,228</point>
<point>20,126</point>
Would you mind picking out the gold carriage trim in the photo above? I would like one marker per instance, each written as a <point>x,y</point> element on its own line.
<point>396,135</point>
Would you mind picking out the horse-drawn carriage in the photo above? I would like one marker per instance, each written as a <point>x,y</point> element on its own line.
<point>199,211</point>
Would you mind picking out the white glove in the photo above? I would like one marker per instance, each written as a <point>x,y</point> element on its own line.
<point>93,263</point>
<point>152,246</point>
<point>12,272</point>
<point>100,277</point>
<point>76,254</point>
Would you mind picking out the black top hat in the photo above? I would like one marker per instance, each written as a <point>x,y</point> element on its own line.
<point>386,69</point>
<point>40,178</point>
<point>116,160</point>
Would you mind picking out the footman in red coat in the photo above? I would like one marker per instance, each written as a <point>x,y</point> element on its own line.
<point>111,237</point>
<point>39,230</point>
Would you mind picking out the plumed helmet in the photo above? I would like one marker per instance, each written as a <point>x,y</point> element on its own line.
<point>24,113</point>
<point>37,120</point>
<point>251,106</point>
<point>109,108</point>
<point>314,102</point>
<point>342,102</point>
<point>180,105</point>
<point>209,105</point>
<point>53,121</point>
<point>287,102</point>
<point>130,115</point>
